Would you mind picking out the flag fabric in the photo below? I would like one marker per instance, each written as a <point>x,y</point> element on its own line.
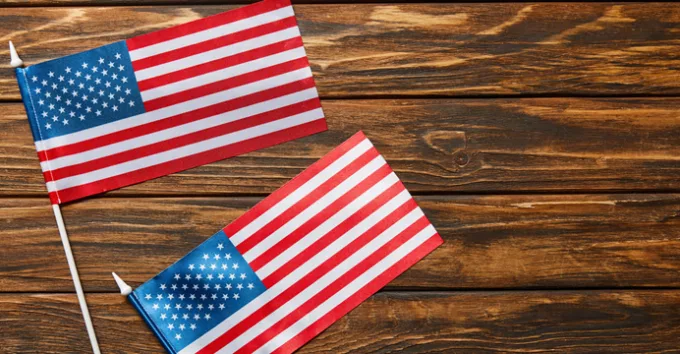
<point>295,263</point>
<point>170,100</point>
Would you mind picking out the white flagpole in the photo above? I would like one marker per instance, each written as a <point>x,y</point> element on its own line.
<point>76,279</point>
<point>15,63</point>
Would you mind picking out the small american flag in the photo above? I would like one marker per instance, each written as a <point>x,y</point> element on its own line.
<point>171,100</point>
<point>295,263</point>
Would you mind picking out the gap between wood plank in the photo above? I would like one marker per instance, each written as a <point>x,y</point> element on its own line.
<point>529,193</point>
<point>431,291</point>
<point>465,97</point>
<point>150,3</point>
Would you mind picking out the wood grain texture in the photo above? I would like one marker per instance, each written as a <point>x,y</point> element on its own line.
<point>416,49</point>
<point>500,242</point>
<point>565,322</point>
<point>56,3</point>
<point>504,180</point>
<point>445,145</point>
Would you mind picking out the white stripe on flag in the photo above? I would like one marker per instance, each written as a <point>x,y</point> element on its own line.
<point>226,73</point>
<point>313,209</point>
<point>217,53</point>
<point>322,282</point>
<point>301,192</point>
<point>297,274</point>
<point>173,110</point>
<point>352,288</point>
<point>181,130</point>
<point>328,225</point>
<point>211,33</point>
<point>187,150</point>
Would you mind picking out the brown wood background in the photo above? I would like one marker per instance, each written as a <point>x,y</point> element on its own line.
<point>541,139</point>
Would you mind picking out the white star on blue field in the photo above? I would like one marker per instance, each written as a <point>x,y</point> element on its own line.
<point>199,291</point>
<point>83,90</point>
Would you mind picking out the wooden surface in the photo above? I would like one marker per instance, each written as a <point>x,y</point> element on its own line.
<point>542,140</point>
<point>393,322</point>
<point>413,50</point>
<point>442,145</point>
<point>510,241</point>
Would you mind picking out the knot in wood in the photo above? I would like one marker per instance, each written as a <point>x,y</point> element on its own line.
<point>461,158</point>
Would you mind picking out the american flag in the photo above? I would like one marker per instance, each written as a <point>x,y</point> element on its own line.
<point>295,263</point>
<point>171,100</point>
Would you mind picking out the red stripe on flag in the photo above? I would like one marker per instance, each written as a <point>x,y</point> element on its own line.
<point>360,296</point>
<point>337,232</point>
<point>308,200</point>
<point>177,120</point>
<point>226,84</point>
<point>337,285</point>
<point>180,141</point>
<point>184,163</point>
<point>221,63</point>
<point>205,23</point>
<point>286,295</point>
<point>213,44</point>
<point>318,219</point>
<point>292,185</point>
<point>54,198</point>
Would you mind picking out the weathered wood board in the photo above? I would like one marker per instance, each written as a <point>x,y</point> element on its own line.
<point>445,145</point>
<point>534,321</point>
<point>541,139</point>
<point>360,50</point>
<point>501,242</point>
<point>55,3</point>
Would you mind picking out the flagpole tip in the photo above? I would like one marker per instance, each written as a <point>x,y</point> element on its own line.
<point>124,288</point>
<point>15,60</point>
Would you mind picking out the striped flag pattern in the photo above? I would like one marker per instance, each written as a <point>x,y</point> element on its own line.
<point>170,100</point>
<point>320,245</point>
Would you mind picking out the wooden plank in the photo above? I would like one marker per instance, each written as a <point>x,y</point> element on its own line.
<point>499,242</point>
<point>41,3</point>
<point>555,144</point>
<point>417,49</point>
<point>566,322</point>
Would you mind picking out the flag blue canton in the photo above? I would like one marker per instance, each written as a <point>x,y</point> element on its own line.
<point>199,291</point>
<point>83,90</point>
